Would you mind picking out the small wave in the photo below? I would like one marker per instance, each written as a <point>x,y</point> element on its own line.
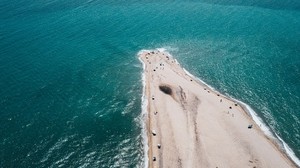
<point>144,113</point>
<point>128,107</point>
<point>61,162</point>
<point>167,48</point>
<point>58,145</point>
<point>123,153</point>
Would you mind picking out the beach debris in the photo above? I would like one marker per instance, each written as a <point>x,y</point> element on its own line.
<point>204,88</point>
<point>235,104</point>
<point>153,133</point>
<point>155,112</point>
<point>152,97</point>
<point>166,89</point>
<point>230,107</point>
<point>221,100</point>
<point>154,70</point>
<point>154,158</point>
<point>250,126</point>
<point>158,146</point>
<point>208,91</point>
<point>218,94</point>
<point>191,80</point>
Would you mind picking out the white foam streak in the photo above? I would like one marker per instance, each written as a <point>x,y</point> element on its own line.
<point>289,151</point>
<point>144,114</point>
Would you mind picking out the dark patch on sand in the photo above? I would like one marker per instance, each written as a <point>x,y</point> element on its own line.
<point>179,161</point>
<point>166,89</point>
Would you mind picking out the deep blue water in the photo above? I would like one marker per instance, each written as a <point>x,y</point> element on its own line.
<point>70,80</point>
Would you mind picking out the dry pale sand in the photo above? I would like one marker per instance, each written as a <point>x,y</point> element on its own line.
<point>196,126</point>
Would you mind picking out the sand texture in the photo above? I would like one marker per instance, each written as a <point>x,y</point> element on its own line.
<point>198,127</point>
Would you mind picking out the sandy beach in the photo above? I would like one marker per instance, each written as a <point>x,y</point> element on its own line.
<point>189,125</point>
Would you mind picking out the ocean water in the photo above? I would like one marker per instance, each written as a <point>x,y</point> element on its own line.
<point>71,83</point>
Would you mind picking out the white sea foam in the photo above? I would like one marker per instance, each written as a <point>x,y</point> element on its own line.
<point>61,162</point>
<point>166,49</point>
<point>128,106</point>
<point>144,113</point>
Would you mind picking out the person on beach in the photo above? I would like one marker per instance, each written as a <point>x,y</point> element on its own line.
<point>153,133</point>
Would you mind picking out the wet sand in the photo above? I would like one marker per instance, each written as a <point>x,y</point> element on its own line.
<point>198,127</point>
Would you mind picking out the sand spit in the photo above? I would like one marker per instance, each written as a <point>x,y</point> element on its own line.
<point>190,125</point>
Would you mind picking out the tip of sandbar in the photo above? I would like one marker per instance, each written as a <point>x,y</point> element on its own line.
<point>147,53</point>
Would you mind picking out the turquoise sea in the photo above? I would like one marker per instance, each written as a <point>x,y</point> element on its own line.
<point>71,83</point>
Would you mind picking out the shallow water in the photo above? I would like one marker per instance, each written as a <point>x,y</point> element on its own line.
<point>71,82</point>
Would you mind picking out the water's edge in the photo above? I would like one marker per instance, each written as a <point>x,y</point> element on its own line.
<point>265,129</point>
<point>143,119</point>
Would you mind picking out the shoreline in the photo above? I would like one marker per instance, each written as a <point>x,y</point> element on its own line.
<point>274,141</point>
<point>144,117</point>
<point>270,134</point>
